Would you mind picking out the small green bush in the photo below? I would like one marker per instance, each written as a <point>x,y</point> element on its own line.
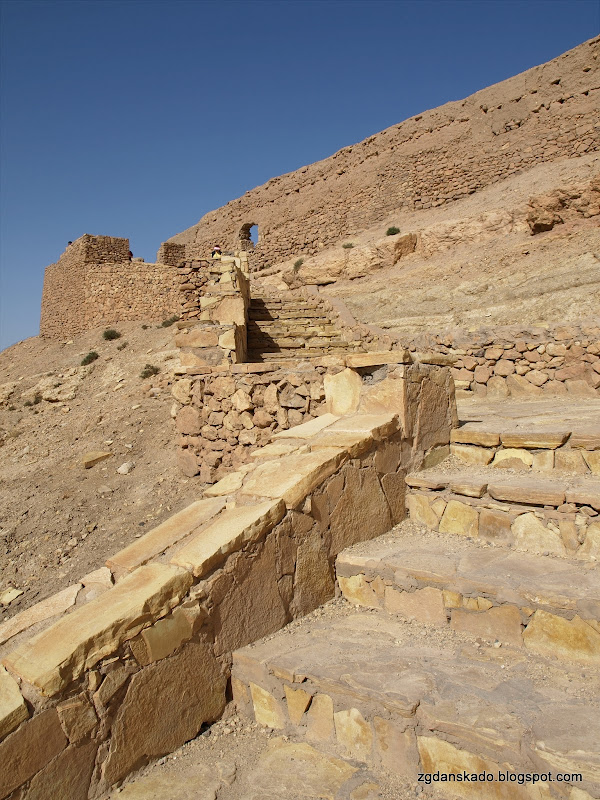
<point>145,327</point>
<point>148,371</point>
<point>348,246</point>
<point>91,356</point>
<point>392,231</point>
<point>110,334</point>
<point>122,346</point>
<point>298,264</point>
<point>166,323</point>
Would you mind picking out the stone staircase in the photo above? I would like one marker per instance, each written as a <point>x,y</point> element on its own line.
<point>280,327</point>
<point>469,642</point>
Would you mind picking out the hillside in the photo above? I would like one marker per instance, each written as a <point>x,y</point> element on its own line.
<point>60,520</point>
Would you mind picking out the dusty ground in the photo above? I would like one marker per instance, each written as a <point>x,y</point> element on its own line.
<point>57,519</point>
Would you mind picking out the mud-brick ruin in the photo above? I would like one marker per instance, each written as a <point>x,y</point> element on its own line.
<point>333,460</point>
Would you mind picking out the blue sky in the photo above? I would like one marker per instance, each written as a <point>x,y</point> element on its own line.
<point>136,117</point>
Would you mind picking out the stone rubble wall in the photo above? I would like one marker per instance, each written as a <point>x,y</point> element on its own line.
<point>546,113</point>
<point>531,515</point>
<point>131,661</point>
<point>563,361</point>
<point>94,283</point>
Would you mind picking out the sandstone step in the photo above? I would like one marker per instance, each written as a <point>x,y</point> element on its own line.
<point>557,516</point>
<point>389,697</point>
<point>549,606</point>
<point>541,449</point>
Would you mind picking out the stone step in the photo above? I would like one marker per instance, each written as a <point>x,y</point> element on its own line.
<point>557,516</point>
<point>389,695</point>
<point>549,606</point>
<point>529,447</point>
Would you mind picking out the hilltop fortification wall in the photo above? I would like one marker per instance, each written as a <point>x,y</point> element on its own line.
<point>95,283</point>
<point>546,113</point>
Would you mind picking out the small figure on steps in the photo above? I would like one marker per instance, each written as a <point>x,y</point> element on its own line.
<point>216,251</point>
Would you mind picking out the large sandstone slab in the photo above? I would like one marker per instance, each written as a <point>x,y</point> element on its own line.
<point>342,392</point>
<point>553,636</point>
<point>166,534</point>
<point>355,444</point>
<point>233,529</point>
<point>29,749</point>
<point>293,477</point>
<point>59,654</point>
<point>12,706</point>
<point>50,607</point>
<point>534,491</point>
<point>178,695</point>
<point>375,359</point>
<point>474,436</point>
<point>379,426</point>
<point>308,429</point>
<point>534,440</point>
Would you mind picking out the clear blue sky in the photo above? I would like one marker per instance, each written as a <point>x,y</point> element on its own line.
<point>135,117</point>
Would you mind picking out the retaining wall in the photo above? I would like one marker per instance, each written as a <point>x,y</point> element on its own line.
<point>131,661</point>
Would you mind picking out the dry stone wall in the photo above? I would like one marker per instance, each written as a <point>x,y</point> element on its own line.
<point>563,361</point>
<point>131,661</point>
<point>95,283</point>
<point>546,113</point>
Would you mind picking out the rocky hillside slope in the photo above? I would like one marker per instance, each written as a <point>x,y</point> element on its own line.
<point>57,518</point>
<point>524,251</point>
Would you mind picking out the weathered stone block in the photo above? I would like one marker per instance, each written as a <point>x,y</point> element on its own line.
<point>536,440</point>
<point>297,702</point>
<point>26,751</point>
<point>460,518</point>
<point>495,526</point>
<point>293,477</point>
<point>472,455</point>
<point>77,717</point>
<point>425,605</point>
<point>354,733</point>
<point>68,775</point>
<point>342,392</point>
<point>533,536</point>
<point>556,637</point>
<point>267,710</point>
<point>59,654</point>
<point>12,706</point>
<point>362,511</point>
<point>475,436</point>
<point>234,528</point>
<point>502,624</point>
<point>420,510</point>
<point>165,535</point>
<point>319,718</point>
<point>179,695</point>
<point>356,589</point>
<point>513,453</point>
<point>397,747</point>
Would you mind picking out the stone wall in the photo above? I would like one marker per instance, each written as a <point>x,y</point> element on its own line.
<point>563,361</point>
<point>546,113</point>
<point>129,662</point>
<point>94,283</point>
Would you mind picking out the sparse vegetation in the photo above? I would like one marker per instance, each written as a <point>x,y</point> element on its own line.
<point>348,246</point>
<point>298,264</point>
<point>392,231</point>
<point>122,346</point>
<point>148,371</point>
<point>166,323</point>
<point>110,334</point>
<point>145,327</point>
<point>91,356</point>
